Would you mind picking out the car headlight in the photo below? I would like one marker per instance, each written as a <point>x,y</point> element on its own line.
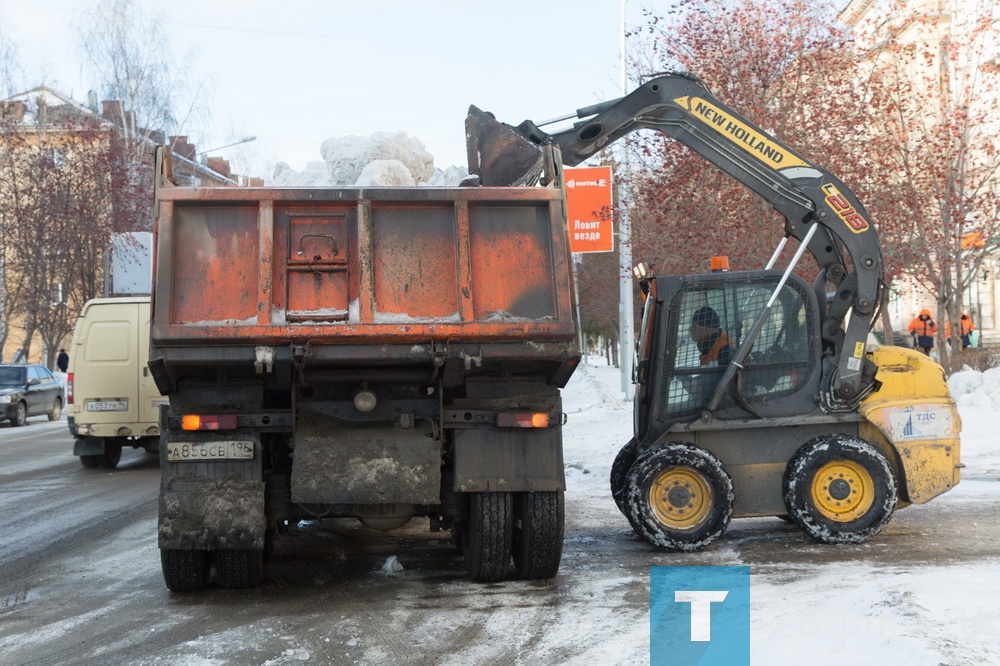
<point>4,399</point>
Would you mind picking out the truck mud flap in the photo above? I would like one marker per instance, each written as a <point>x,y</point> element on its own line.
<point>496,459</point>
<point>217,505</point>
<point>338,463</point>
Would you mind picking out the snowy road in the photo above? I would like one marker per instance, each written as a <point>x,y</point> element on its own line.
<point>80,576</point>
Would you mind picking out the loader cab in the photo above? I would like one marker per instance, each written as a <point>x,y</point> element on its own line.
<point>691,328</point>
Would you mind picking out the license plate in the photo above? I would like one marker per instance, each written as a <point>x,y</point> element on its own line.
<point>220,450</point>
<point>107,406</point>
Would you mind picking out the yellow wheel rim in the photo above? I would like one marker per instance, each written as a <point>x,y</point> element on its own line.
<point>681,498</point>
<point>843,491</point>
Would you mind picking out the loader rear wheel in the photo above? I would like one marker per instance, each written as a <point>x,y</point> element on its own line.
<point>680,497</point>
<point>239,569</point>
<point>185,570</point>
<point>619,472</point>
<point>839,489</point>
<point>538,534</point>
<point>619,475</point>
<point>487,536</point>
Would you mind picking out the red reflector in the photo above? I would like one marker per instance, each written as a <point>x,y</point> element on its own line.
<point>208,422</point>
<point>69,389</point>
<point>522,420</point>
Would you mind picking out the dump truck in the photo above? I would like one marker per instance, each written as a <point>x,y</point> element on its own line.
<point>756,393</point>
<point>375,353</point>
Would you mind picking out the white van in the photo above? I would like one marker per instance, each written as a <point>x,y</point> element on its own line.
<point>112,400</point>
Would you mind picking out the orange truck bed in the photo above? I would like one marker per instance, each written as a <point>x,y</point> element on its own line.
<point>363,275</point>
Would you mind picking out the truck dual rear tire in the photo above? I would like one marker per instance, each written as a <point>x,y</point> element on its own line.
<point>185,570</point>
<point>538,534</point>
<point>526,527</point>
<point>679,496</point>
<point>839,489</point>
<point>487,536</point>
<point>239,569</point>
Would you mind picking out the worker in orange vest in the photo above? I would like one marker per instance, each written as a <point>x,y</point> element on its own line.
<point>923,328</point>
<point>965,322</point>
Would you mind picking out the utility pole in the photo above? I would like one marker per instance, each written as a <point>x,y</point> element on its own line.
<point>625,315</point>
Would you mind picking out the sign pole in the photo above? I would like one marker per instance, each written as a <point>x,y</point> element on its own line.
<point>625,313</point>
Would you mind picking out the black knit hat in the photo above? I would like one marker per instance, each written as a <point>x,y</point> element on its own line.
<point>705,316</point>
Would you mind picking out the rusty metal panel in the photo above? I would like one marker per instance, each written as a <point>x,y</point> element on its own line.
<point>318,263</point>
<point>480,264</point>
<point>211,279</point>
<point>265,271</point>
<point>511,258</point>
<point>414,270</point>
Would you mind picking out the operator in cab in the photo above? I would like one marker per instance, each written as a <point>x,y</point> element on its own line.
<point>713,345</point>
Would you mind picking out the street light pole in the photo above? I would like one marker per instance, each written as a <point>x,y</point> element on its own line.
<point>246,139</point>
<point>625,313</point>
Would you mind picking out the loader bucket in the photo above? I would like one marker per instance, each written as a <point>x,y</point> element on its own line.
<point>498,154</point>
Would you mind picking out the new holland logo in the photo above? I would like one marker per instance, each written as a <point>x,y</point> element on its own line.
<point>844,210</point>
<point>743,135</point>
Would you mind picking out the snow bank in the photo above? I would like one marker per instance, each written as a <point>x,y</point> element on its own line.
<point>382,159</point>
<point>972,388</point>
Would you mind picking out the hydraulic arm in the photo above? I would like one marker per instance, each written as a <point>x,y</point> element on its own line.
<point>806,195</point>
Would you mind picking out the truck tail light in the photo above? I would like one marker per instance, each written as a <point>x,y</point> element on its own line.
<point>522,420</point>
<point>208,422</point>
<point>69,389</point>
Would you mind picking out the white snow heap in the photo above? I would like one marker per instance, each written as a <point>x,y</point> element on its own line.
<point>385,172</point>
<point>382,159</point>
<point>971,388</point>
<point>346,157</point>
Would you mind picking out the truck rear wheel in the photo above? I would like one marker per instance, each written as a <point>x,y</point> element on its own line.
<point>184,570</point>
<point>839,489</point>
<point>680,497</point>
<point>91,462</point>
<point>239,569</point>
<point>538,534</point>
<point>487,536</point>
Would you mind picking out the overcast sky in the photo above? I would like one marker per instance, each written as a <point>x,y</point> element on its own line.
<point>296,72</point>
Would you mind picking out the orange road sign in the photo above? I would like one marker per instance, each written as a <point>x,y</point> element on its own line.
<point>588,209</point>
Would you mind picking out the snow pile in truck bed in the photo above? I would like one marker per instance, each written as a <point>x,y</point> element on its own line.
<point>390,159</point>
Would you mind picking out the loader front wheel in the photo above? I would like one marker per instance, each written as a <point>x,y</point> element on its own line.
<point>487,536</point>
<point>839,489</point>
<point>679,497</point>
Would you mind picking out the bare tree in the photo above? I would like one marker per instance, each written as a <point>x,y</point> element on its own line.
<point>56,182</point>
<point>127,52</point>
<point>9,76</point>
<point>939,85</point>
